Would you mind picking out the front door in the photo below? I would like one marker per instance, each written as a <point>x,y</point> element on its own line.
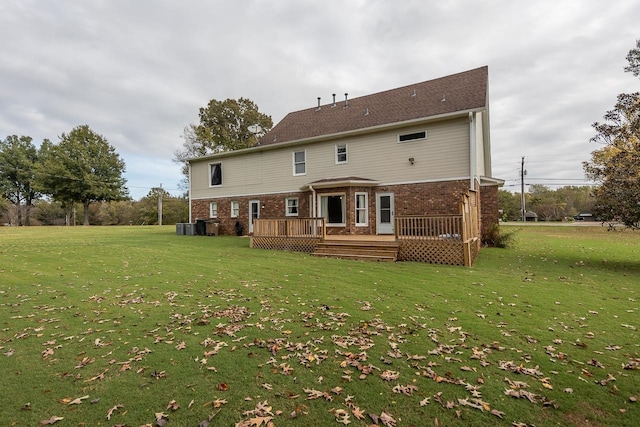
<point>254,212</point>
<point>384,213</point>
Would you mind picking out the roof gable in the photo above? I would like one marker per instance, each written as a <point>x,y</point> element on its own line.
<point>455,93</point>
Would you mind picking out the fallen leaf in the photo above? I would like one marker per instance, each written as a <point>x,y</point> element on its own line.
<point>51,420</point>
<point>112,410</point>
<point>78,400</point>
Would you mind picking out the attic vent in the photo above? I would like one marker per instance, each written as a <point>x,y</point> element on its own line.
<point>412,136</point>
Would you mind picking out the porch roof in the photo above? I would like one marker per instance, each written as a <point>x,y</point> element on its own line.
<point>350,181</point>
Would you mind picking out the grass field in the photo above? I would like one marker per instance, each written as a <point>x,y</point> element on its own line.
<point>135,326</point>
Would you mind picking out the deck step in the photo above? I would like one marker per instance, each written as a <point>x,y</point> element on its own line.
<point>358,249</point>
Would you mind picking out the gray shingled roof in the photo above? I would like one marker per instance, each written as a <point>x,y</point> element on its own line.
<point>458,92</point>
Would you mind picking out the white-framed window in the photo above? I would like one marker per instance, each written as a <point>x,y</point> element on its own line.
<point>235,209</point>
<point>362,209</point>
<point>213,210</point>
<point>332,209</point>
<point>300,162</point>
<point>215,174</point>
<point>413,136</point>
<point>292,207</point>
<point>341,153</point>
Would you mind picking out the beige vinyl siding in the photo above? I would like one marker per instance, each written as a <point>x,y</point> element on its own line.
<point>444,154</point>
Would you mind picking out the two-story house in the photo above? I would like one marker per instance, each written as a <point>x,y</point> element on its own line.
<point>358,163</point>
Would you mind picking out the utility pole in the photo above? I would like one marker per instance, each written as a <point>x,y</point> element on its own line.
<point>522,205</point>
<point>160,205</point>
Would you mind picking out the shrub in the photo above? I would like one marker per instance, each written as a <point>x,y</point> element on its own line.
<point>495,237</point>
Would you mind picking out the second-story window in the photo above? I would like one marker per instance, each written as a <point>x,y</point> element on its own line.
<point>216,174</point>
<point>341,153</point>
<point>299,162</point>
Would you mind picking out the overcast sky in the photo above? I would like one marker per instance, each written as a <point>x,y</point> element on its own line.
<point>137,71</point>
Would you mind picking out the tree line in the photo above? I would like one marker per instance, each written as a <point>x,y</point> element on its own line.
<point>561,204</point>
<point>45,211</point>
<point>48,184</point>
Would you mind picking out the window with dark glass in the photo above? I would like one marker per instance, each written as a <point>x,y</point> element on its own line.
<point>412,136</point>
<point>341,153</point>
<point>216,174</point>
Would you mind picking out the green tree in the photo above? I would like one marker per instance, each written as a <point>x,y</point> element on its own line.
<point>18,158</point>
<point>634,60</point>
<point>224,126</point>
<point>82,168</point>
<point>577,199</point>
<point>616,166</point>
<point>547,203</point>
<point>509,204</point>
<point>174,209</point>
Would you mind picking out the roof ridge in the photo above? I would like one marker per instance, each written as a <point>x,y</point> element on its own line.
<point>448,94</point>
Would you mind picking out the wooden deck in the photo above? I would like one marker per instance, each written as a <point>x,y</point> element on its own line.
<point>363,248</point>
<point>439,239</point>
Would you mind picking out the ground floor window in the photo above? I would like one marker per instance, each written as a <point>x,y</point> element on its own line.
<point>362,209</point>
<point>332,208</point>
<point>213,210</point>
<point>292,207</point>
<point>235,209</point>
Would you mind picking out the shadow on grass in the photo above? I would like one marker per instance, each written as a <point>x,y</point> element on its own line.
<point>608,266</point>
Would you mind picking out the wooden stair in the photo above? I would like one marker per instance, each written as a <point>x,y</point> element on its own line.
<point>364,250</point>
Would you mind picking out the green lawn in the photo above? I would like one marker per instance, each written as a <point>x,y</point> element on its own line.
<point>137,326</point>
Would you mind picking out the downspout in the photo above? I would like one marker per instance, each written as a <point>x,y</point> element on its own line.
<point>473,167</point>
<point>190,191</point>
<point>313,201</point>
<point>313,207</point>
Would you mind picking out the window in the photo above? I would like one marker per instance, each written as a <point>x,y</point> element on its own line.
<point>412,136</point>
<point>299,162</point>
<point>341,153</point>
<point>362,209</point>
<point>292,207</point>
<point>235,209</point>
<point>215,174</point>
<point>213,210</point>
<point>332,208</point>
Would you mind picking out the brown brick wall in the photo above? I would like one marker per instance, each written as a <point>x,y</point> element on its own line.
<point>437,198</point>
<point>271,206</point>
<point>488,208</point>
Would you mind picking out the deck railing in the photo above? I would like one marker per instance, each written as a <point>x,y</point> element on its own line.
<point>289,227</point>
<point>430,227</point>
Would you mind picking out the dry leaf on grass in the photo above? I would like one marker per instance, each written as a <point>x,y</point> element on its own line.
<point>112,410</point>
<point>76,401</point>
<point>51,420</point>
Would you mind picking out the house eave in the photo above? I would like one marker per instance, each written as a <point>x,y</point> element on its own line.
<point>339,182</point>
<point>489,181</point>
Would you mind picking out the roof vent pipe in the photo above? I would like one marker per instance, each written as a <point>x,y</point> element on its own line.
<point>346,100</point>
<point>334,100</point>
<point>318,109</point>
